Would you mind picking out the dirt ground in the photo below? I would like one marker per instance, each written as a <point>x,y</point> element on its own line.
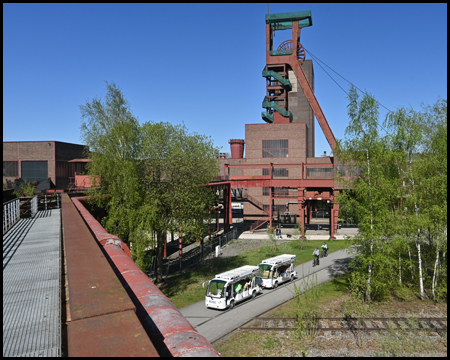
<point>237,246</point>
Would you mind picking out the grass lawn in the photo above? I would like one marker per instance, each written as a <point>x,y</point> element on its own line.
<point>186,288</point>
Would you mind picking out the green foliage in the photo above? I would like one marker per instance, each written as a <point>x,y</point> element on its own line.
<point>307,315</point>
<point>297,235</point>
<point>273,247</point>
<point>25,189</point>
<point>153,175</point>
<point>269,343</point>
<point>398,198</point>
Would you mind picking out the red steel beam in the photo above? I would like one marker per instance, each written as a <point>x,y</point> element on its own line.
<point>311,97</point>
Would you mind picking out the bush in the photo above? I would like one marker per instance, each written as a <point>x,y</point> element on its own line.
<point>26,189</point>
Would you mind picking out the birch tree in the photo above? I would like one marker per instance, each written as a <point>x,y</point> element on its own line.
<point>368,201</point>
<point>153,176</point>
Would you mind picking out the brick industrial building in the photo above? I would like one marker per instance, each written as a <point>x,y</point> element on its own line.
<point>280,178</point>
<point>40,160</point>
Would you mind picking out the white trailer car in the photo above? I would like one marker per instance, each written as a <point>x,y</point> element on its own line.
<point>276,270</point>
<point>231,287</point>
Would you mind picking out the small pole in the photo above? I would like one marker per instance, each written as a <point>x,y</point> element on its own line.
<point>45,202</point>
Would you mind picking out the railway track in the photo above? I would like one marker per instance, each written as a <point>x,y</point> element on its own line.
<point>351,324</point>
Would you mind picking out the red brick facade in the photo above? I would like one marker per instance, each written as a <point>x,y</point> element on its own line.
<point>55,153</point>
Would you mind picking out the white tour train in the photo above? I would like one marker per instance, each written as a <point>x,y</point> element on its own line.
<point>276,270</point>
<point>231,287</point>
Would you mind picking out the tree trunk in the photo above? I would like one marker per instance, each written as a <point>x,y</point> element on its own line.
<point>410,263</point>
<point>371,228</point>
<point>422,295</point>
<point>434,281</point>
<point>369,274</point>
<point>399,268</point>
<point>368,282</point>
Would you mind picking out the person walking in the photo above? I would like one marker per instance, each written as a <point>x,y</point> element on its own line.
<point>316,257</point>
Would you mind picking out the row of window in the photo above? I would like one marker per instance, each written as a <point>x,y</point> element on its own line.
<point>277,172</point>
<point>275,148</point>
<point>278,191</point>
<point>31,170</point>
<point>38,170</point>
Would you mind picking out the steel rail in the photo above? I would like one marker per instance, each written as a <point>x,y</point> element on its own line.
<point>349,324</point>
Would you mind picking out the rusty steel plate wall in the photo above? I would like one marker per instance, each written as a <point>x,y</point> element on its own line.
<point>117,334</point>
<point>101,318</point>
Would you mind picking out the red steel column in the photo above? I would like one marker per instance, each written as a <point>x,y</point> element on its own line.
<point>334,217</point>
<point>217,220</point>
<point>165,244</point>
<point>230,210</point>
<point>301,209</point>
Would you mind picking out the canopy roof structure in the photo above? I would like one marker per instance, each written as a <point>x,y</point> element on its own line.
<point>238,273</point>
<point>280,260</point>
<point>283,21</point>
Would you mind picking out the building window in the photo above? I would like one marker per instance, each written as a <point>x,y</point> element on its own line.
<point>10,168</point>
<point>266,171</point>
<point>266,191</point>
<point>34,170</point>
<point>281,191</point>
<point>274,148</point>
<point>320,172</point>
<point>280,172</point>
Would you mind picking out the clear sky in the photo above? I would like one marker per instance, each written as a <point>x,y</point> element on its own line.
<point>201,64</point>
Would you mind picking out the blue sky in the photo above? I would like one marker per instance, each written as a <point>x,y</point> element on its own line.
<point>201,63</point>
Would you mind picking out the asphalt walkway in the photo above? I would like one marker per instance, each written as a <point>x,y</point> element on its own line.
<point>214,324</point>
<point>31,286</point>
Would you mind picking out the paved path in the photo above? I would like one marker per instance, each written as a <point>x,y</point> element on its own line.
<point>31,286</point>
<point>213,324</point>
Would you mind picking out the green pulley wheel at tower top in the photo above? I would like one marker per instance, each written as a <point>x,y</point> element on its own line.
<point>288,45</point>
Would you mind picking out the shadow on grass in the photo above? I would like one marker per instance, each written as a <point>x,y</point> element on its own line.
<point>341,283</point>
<point>338,267</point>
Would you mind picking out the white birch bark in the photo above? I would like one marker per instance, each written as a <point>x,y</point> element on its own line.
<point>371,228</point>
<point>422,295</point>
<point>433,282</point>
<point>410,263</point>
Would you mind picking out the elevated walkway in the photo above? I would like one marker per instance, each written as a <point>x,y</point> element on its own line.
<point>31,286</point>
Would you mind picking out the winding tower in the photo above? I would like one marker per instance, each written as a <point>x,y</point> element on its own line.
<point>279,177</point>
